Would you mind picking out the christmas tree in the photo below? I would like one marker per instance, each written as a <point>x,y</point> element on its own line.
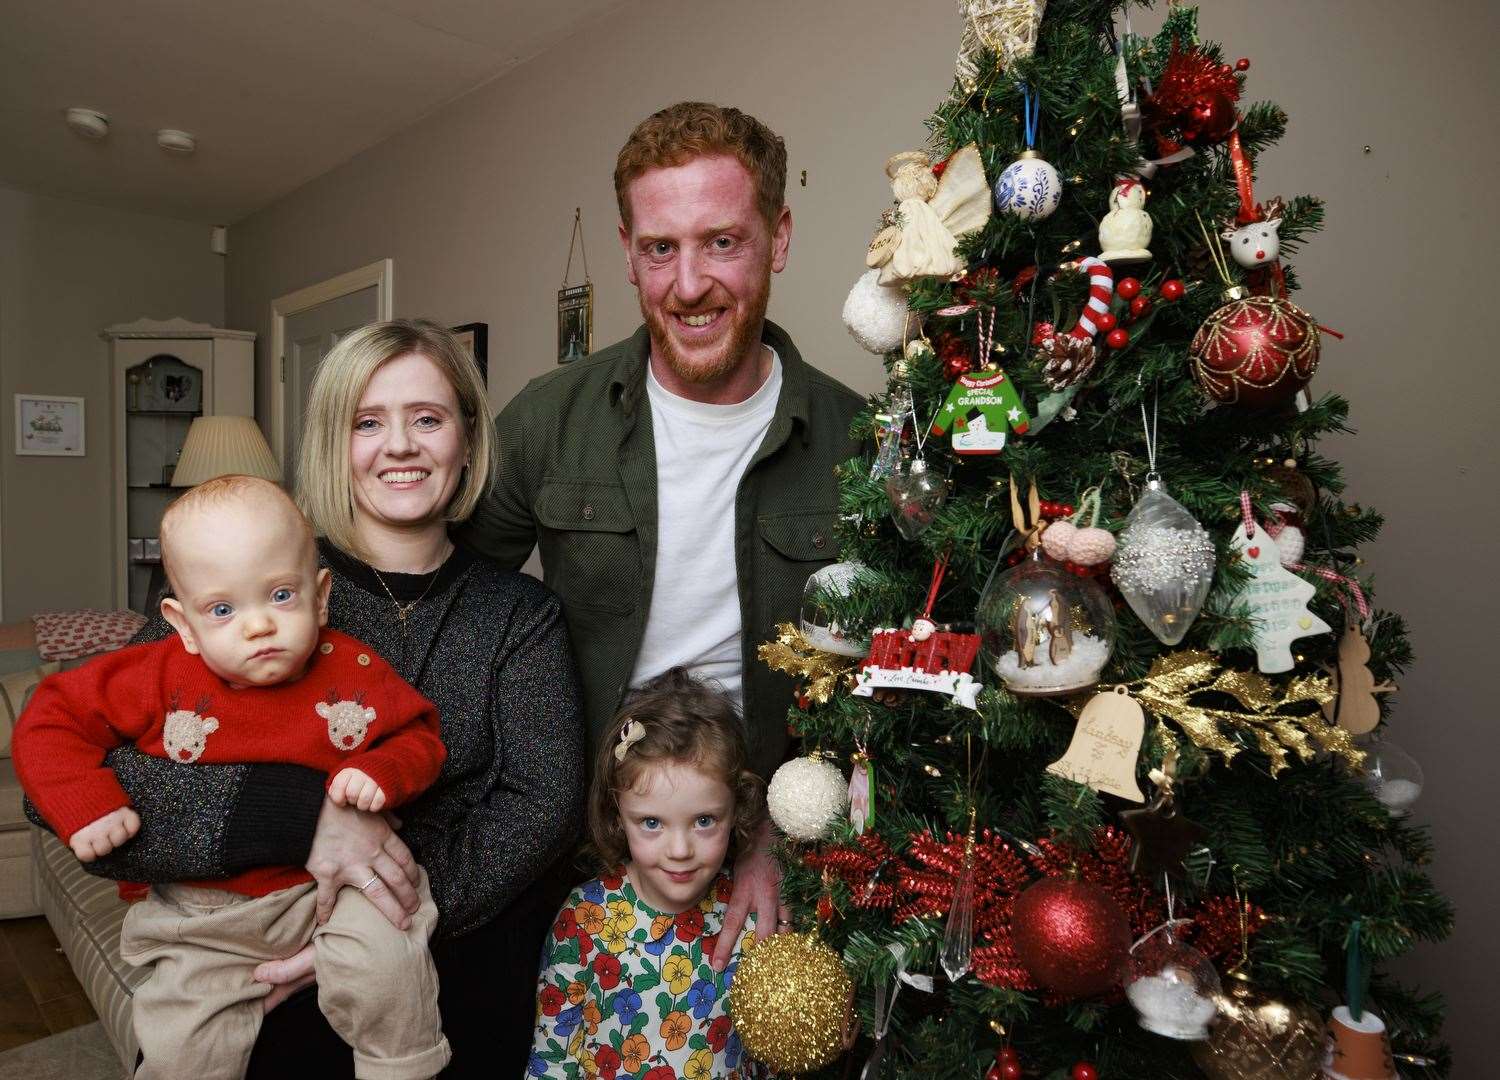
<point>1166,837</point>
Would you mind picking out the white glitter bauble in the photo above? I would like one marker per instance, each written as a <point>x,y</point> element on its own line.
<point>876,314</point>
<point>1164,565</point>
<point>1029,188</point>
<point>807,795</point>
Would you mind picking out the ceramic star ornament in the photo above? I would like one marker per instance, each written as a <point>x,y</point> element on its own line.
<point>1275,598</point>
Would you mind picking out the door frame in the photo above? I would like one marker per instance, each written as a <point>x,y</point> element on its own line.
<point>379,273</point>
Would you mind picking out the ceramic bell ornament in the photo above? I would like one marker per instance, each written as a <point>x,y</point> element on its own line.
<point>1125,232</point>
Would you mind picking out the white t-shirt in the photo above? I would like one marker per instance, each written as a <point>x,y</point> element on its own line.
<point>702,451</point>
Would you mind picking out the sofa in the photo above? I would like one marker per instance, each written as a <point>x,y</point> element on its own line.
<point>38,874</point>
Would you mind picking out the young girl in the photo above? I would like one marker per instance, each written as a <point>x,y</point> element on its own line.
<point>626,989</point>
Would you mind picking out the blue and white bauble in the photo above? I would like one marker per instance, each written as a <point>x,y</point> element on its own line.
<point>1029,188</point>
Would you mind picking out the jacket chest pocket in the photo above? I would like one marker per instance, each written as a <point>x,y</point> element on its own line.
<point>591,554</point>
<point>792,546</point>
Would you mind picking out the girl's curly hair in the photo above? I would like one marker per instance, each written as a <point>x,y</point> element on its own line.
<point>684,721</point>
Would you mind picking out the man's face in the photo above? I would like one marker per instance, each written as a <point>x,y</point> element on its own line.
<point>250,597</point>
<point>701,256</point>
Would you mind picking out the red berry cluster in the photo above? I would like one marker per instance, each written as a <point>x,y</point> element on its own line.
<point>1139,303</point>
<point>1007,1065</point>
<point>1054,511</point>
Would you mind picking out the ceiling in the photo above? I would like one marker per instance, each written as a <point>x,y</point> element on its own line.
<point>276,91</point>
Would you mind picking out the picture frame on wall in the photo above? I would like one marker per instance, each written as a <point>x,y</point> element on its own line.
<point>575,322</point>
<point>49,425</point>
<point>476,338</point>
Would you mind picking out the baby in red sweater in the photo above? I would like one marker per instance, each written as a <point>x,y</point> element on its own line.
<point>252,675</point>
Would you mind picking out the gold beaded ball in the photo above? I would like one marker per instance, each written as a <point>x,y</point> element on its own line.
<point>790,1003</point>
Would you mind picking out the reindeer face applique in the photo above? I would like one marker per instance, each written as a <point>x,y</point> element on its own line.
<point>185,734</point>
<point>348,721</point>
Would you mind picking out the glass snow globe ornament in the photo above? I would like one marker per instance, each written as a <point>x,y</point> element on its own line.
<point>916,496</point>
<point>1392,775</point>
<point>819,627</point>
<point>1164,564</point>
<point>1171,985</point>
<point>1044,630</point>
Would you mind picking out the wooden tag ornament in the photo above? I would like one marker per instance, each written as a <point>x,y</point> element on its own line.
<point>1355,708</point>
<point>1106,745</point>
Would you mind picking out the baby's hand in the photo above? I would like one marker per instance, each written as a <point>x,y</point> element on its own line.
<point>353,788</point>
<point>99,838</point>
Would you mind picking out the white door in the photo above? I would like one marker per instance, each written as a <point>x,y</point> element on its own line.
<point>310,333</point>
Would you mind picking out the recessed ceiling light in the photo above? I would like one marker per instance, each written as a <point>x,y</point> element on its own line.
<point>176,142</point>
<point>90,123</point>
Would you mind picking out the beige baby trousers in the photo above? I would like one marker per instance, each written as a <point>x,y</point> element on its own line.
<point>198,1014</point>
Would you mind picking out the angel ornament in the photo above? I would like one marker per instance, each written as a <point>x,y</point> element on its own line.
<point>1125,232</point>
<point>931,215</point>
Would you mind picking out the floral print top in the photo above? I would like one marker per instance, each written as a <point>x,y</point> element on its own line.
<point>627,991</point>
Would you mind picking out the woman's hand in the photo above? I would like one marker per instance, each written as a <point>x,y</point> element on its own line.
<point>351,847</point>
<point>286,976</point>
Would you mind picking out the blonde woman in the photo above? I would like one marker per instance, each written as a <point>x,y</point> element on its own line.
<point>398,445</point>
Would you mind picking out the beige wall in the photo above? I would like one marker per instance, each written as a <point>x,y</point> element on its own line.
<point>475,203</point>
<point>67,271</point>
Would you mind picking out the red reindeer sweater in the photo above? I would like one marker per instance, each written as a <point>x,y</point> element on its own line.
<point>349,709</point>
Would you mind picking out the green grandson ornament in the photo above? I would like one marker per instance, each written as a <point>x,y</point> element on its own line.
<point>980,409</point>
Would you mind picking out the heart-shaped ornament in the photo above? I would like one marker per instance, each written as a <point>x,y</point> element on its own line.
<point>916,496</point>
<point>1254,552</point>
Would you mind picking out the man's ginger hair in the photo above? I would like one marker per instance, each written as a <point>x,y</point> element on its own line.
<point>692,129</point>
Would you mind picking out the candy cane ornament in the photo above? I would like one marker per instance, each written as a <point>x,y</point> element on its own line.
<point>1070,357</point>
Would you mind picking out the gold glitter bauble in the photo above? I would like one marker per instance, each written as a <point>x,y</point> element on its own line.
<point>790,1003</point>
<point>1259,1036</point>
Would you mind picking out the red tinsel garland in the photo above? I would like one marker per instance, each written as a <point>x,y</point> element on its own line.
<point>919,884</point>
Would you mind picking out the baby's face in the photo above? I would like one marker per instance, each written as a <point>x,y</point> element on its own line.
<point>250,597</point>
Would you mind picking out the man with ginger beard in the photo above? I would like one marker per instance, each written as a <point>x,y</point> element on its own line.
<point>680,483</point>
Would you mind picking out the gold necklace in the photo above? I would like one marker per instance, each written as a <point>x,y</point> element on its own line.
<point>403,610</point>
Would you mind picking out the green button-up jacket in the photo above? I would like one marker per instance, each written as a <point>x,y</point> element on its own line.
<point>577,479</point>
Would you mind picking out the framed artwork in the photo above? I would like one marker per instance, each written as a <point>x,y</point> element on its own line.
<point>476,338</point>
<point>575,322</point>
<point>49,426</point>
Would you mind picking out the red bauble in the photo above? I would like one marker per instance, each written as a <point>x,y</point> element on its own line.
<point>1257,351</point>
<point>955,366</point>
<point>1007,1053</point>
<point>1209,119</point>
<point>1041,332</point>
<point>1010,1070</point>
<point>1242,64</point>
<point>1105,322</point>
<point>1117,338</point>
<point>1128,288</point>
<point>1173,290</point>
<point>1070,935</point>
<point>1084,1071</point>
<point>1139,306</point>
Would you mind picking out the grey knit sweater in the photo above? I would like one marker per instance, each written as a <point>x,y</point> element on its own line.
<point>490,649</point>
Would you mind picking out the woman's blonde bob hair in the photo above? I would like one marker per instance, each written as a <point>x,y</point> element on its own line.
<point>325,492</point>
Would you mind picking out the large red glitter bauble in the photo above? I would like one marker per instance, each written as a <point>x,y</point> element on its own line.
<point>1257,351</point>
<point>1070,935</point>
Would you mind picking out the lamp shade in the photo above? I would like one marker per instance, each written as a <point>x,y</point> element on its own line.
<point>221,446</point>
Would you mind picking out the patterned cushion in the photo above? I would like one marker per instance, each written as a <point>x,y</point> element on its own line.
<point>85,913</point>
<point>67,635</point>
<point>15,692</point>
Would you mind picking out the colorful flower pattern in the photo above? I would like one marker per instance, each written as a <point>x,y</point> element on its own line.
<point>626,992</point>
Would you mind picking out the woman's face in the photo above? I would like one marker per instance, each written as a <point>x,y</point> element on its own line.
<point>407,445</point>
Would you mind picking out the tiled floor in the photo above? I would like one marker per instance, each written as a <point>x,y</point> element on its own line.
<point>38,994</point>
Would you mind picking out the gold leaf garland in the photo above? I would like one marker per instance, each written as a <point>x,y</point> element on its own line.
<point>1269,713</point>
<point>793,654</point>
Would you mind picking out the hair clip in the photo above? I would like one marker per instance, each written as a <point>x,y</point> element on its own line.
<point>633,732</point>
